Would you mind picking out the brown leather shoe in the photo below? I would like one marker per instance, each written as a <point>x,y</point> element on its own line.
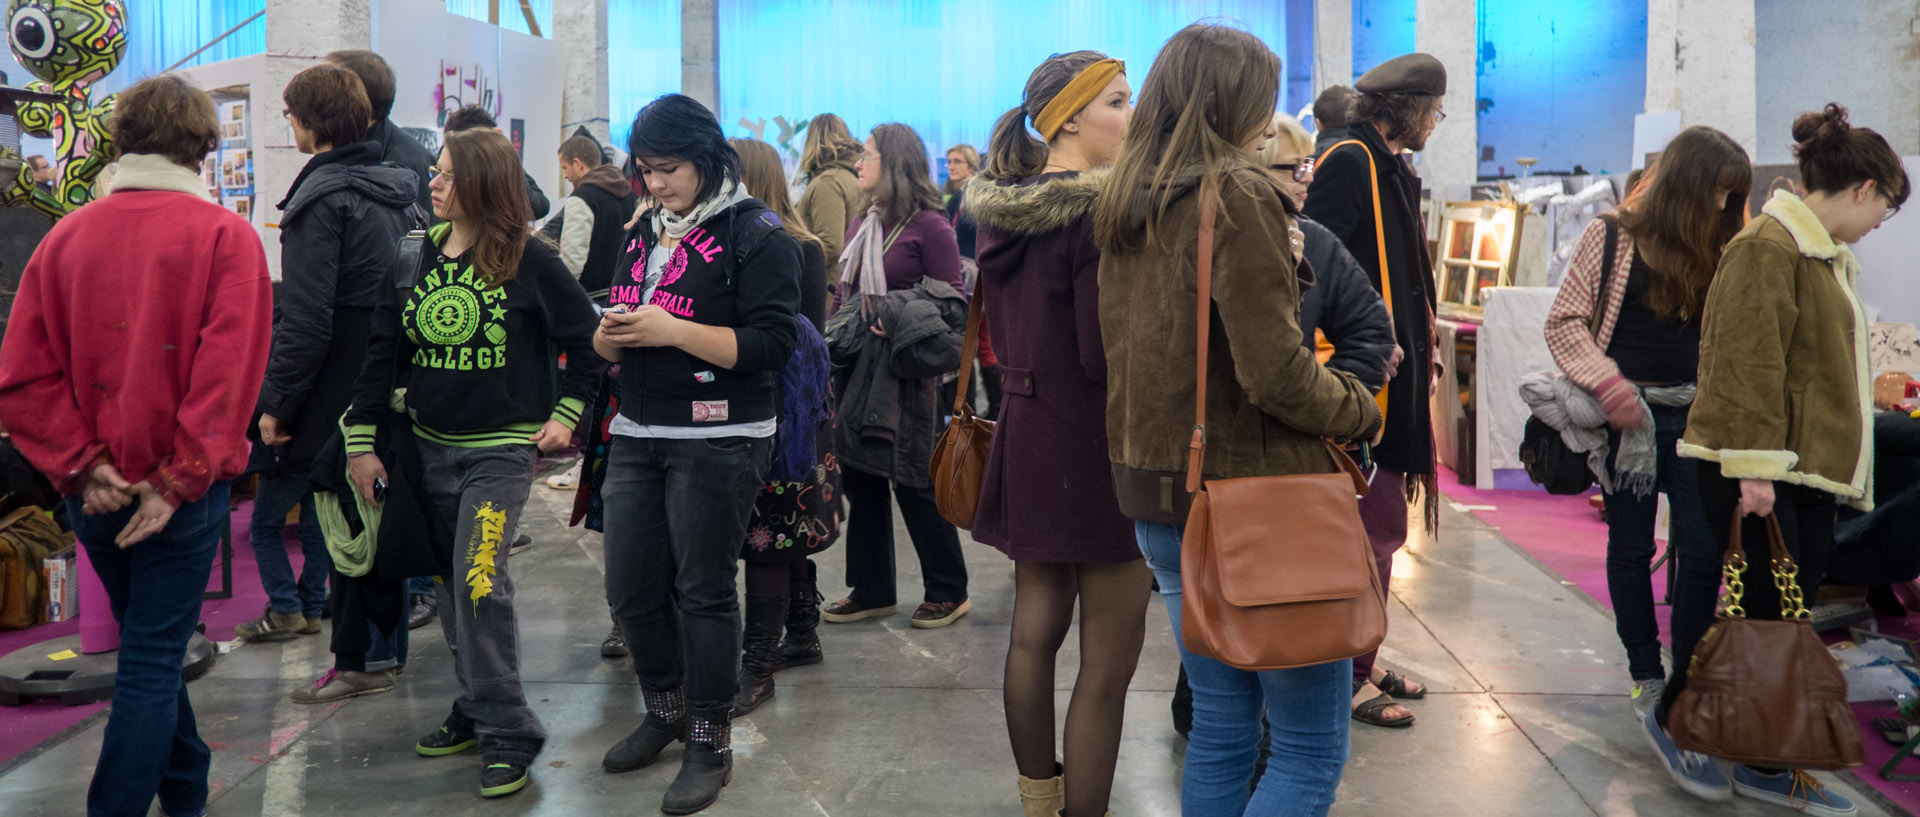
<point>935,614</point>
<point>845,610</point>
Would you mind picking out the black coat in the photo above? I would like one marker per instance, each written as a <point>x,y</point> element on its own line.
<point>1341,199</point>
<point>1343,305</point>
<point>397,148</point>
<point>889,387</point>
<point>340,226</point>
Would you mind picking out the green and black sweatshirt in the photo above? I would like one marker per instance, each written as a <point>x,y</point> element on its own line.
<point>478,362</point>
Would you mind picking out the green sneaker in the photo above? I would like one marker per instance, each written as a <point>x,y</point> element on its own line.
<point>502,779</point>
<point>445,742</point>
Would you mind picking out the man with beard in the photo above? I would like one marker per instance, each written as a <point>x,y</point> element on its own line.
<point>1368,196</point>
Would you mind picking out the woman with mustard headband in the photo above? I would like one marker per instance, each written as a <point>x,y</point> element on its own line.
<point>1047,498</point>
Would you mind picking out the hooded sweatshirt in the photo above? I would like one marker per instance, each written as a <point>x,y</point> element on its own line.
<point>342,222</point>
<point>590,226</point>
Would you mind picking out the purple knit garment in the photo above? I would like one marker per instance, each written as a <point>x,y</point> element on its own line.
<point>804,387</point>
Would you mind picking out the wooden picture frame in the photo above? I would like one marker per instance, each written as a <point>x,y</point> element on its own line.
<point>1479,243</point>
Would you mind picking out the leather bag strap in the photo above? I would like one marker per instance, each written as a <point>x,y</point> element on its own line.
<point>969,348</point>
<point>1380,245</point>
<point>1197,448</point>
<point>1776,542</point>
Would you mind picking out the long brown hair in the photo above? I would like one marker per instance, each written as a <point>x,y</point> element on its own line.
<point>828,142</point>
<point>1014,153</point>
<point>766,180</point>
<point>1677,223</point>
<point>1211,90</point>
<point>492,192</point>
<point>906,179</point>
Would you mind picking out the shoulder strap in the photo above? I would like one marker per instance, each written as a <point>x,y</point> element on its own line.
<point>1380,246</point>
<point>406,262</point>
<point>1197,449</point>
<point>969,349</point>
<point>897,230</point>
<point>1606,277</point>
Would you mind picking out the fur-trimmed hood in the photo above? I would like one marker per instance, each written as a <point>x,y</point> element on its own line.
<point>1045,204</point>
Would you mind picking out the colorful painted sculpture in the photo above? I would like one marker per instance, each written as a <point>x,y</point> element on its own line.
<point>70,45</point>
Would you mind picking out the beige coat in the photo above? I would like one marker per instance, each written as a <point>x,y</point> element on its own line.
<point>1784,381</point>
<point>830,202</point>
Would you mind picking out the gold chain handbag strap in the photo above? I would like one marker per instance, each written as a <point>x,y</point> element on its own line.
<point>1786,573</point>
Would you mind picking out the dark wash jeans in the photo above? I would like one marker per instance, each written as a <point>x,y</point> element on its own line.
<point>1807,517</point>
<point>1630,546</point>
<point>308,595</point>
<point>152,745</point>
<point>676,516</point>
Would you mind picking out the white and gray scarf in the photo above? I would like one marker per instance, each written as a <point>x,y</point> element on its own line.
<point>863,268</point>
<point>668,229</point>
<point>1582,422</point>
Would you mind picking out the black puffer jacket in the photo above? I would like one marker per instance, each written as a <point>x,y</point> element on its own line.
<point>1343,305</point>
<point>341,225</point>
<point>889,387</point>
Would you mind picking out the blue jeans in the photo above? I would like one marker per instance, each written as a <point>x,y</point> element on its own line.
<point>1630,547</point>
<point>152,745</point>
<point>1307,709</point>
<point>276,497</point>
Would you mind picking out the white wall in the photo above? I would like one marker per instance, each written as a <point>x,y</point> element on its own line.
<point>1864,54</point>
<point>1890,263</point>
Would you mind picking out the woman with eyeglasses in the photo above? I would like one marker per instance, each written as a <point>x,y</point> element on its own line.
<point>474,346</point>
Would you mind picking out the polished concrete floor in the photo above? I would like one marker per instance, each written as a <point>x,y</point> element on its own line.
<point>1528,714</point>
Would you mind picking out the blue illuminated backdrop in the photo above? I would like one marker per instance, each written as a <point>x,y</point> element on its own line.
<point>1560,82</point>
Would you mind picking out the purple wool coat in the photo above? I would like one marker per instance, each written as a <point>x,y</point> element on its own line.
<point>1047,495</point>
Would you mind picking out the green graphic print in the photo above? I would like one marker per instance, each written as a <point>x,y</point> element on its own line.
<point>456,321</point>
<point>70,44</point>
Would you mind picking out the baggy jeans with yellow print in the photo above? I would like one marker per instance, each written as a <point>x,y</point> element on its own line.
<point>481,492</point>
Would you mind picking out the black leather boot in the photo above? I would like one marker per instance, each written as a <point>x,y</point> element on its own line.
<point>759,649</point>
<point>706,768</point>
<point>801,645</point>
<point>666,722</point>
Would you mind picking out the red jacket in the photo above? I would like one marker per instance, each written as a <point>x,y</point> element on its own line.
<point>139,337</point>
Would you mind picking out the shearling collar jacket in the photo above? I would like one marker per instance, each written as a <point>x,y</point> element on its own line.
<point>1033,209</point>
<point>1784,381</point>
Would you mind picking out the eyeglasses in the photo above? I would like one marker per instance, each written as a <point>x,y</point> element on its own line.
<point>1302,170</point>
<point>1892,209</point>
<point>434,174</point>
<point>868,156</point>
<point>286,113</point>
<point>1439,116</point>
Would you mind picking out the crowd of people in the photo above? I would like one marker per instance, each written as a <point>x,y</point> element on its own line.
<point>731,359</point>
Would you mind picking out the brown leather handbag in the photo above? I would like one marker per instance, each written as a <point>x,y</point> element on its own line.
<point>960,457</point>
<point>1276,571</point>
<point>1766,693</point>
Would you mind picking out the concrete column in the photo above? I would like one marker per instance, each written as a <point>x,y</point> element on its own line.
<point>580,27</point>
<point>1332,44</point>
<point>1700,62</point>
<point>299,33</point>
<point>700,52</point>
<point>1449,30</point>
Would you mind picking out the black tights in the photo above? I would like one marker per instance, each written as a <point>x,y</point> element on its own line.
<point>1113,608</point>
<point>774,579</point>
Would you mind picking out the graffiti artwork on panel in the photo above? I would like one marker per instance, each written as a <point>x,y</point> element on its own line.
<point>69,45</point>
<point>463,85</point>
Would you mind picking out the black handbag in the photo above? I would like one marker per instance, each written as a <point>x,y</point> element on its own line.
<point>1549,463</point>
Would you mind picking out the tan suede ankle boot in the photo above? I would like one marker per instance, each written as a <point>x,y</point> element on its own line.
<point>1043,798</point>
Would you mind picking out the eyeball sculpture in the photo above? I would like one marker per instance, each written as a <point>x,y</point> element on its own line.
<point>70,45</point>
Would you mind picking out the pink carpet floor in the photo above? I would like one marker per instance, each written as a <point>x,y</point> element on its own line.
<point>24,727</point>
<point>1567,536</point>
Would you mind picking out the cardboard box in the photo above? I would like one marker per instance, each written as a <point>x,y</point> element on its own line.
<point>63,585</point>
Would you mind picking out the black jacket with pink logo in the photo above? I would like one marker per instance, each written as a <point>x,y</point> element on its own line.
<point>737,269</point>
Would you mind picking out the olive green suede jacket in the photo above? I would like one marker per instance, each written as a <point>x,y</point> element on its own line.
<point>1269,402</point>
<point>1784,381</point>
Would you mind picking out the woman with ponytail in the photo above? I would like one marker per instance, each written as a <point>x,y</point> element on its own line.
<point>1782,420</point>
<point>1047,498</point>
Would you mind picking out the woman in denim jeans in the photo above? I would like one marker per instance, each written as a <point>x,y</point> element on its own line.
<point>137,406</point>
<point>702,317</point>
<point>1204,108</point>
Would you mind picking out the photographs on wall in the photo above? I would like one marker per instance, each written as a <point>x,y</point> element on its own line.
<point>229,172</point>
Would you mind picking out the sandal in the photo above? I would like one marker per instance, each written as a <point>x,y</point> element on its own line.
<point>1400,687</point>
<point>1368,710</point>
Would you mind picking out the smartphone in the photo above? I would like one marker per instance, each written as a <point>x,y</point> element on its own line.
<point>379,490</point>
<point>618,308</point>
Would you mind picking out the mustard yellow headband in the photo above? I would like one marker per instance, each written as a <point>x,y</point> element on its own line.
<point>1082,90</point>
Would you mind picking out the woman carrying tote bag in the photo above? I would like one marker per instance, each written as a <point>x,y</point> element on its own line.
<point>1205,106</point>
<point>1782,419</point>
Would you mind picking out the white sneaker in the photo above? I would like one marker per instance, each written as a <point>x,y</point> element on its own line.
<point>566,481</point>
